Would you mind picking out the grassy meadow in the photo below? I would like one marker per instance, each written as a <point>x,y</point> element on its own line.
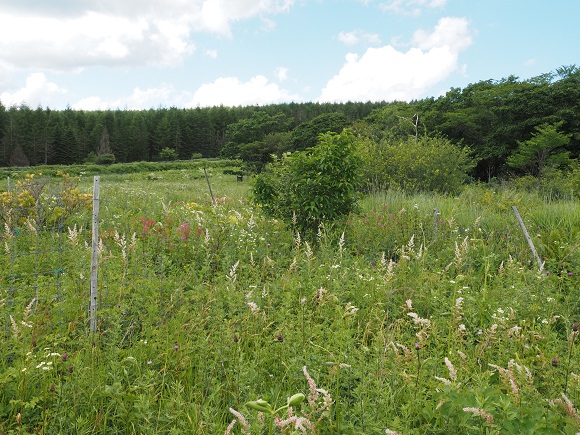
<point>418,314</point>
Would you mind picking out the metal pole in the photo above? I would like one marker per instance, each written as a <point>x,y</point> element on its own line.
<point>528,238</point>
<point>94,256</point>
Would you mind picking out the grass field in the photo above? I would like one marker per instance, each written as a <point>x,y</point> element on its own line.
<point>419,314</point>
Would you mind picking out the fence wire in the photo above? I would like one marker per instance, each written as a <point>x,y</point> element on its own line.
<point>33,264</point>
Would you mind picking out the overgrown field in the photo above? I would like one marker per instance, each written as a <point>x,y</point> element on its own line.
<point>419,314</point>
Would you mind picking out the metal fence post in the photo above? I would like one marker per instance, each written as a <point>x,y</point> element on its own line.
<point>94,256</point>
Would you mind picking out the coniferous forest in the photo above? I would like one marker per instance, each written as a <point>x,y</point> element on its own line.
<point>489,117</point>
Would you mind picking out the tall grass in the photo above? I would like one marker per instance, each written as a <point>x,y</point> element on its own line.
<point>419,314</point>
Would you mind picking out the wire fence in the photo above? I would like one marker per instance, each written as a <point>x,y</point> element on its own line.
<point>151,244</point>
<point>32,213</point>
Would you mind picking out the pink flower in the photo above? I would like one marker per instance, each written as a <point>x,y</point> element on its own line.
<point>184,230</point>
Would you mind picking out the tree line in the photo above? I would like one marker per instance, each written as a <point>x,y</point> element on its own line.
<point>489,117</point>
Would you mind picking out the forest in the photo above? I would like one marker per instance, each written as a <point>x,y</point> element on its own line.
<point>489,118</point>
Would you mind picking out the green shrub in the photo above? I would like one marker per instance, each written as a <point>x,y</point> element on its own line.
<point>167,154</point>
<point>105,159</point>
<point>417,165</point>
<point>309,187</point>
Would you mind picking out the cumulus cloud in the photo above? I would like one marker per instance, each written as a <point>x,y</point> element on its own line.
<point>139,99</point>
<point>356,37</point>
<point>449,32</point>
<point>37,91</point>
<point>388,74</point>
<point>76,34</point>
<point>230,91</point>
<point>411,7</point>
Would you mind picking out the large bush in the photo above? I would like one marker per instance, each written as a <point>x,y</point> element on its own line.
<point>422,164</point>
<point>312,186</point>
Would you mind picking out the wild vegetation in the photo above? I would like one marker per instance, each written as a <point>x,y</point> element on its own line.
<point>489,118</point>
<point>364,281</point>
<point>414,313</point>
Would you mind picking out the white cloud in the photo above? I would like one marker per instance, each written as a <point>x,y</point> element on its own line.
<point>411,7</point>
<point>37,91</point>
<point>230,91</point>
<point>281,73</point>
<point>355,37</point>
<point>72,35</point>
<point>211,53</point>
<point>139,99</point>
<point>387,74</point>
<point>449,32</point>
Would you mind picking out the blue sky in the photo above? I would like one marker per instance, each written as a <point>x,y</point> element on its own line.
<point>141,54</point>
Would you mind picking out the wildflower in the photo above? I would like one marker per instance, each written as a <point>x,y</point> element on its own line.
<point>280,338</point>
<point>567,405</point>
<point>64,356</point>
<point>417,347</point>
<point>70,369</point>
<point>184,231</point>
<point>149,362</point>
<point>451,368</point>
<point>253,307</point>
<point>176,346</point>
<point>444,380</point>
<point>555,362</point>
<point>575,327</point>
<point>350,310</point>
<point>313,395</point>
<point>482,413</point>
<point>242,420</point>
<point>230,427</point>
<point>418,320</point>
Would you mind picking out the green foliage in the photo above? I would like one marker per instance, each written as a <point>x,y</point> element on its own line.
<point>105,159</point>
<point>168,154</point>
<point>416,165</point>
<point>543,150</point>
<point>408,320</point>
<point>313,186</point>
<point>35,204</point>
<point>196,156</point>
<point>306,134</point>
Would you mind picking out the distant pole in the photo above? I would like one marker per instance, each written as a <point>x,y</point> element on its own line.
<point>208,185</point>
<point>528,238</point>
<point>94,256</point>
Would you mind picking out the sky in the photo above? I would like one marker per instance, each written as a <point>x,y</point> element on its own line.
<point>143,54</point>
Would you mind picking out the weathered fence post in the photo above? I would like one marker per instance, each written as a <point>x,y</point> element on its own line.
<point>94,256</point>
<point>209,186</point>
<point>528,238</point>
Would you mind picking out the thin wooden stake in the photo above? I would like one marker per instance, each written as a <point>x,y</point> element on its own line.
<point>208,185</point>
<point>528,238</point>
<point>94,256</point>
